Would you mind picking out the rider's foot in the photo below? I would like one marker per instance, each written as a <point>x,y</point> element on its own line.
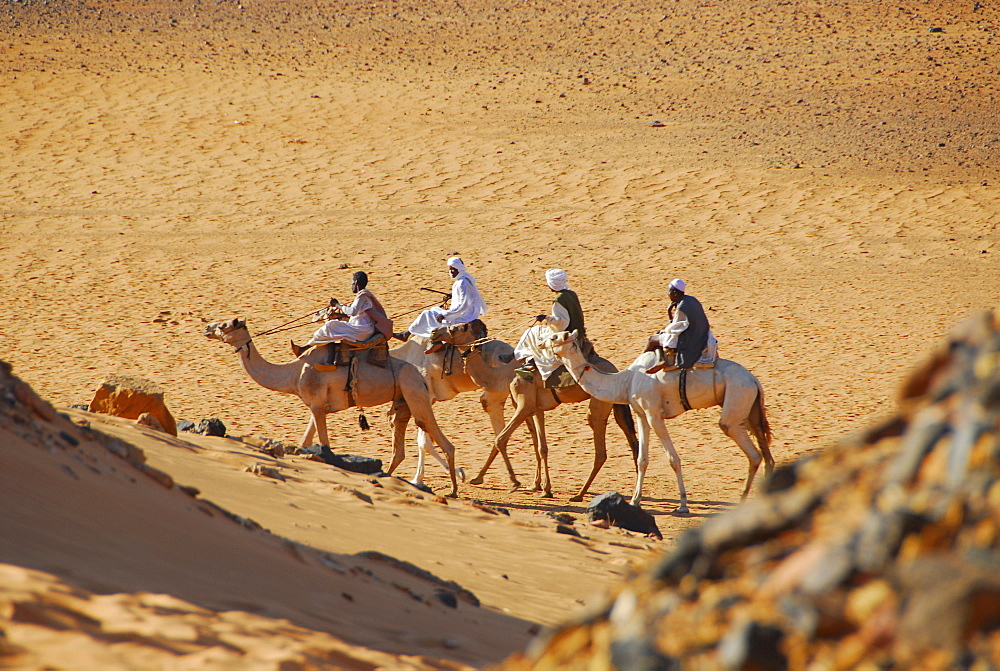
<point>402,335</point>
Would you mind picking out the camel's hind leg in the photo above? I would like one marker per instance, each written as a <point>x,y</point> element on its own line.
<point>400,417</point>
<point>733,423</point>
<point>598,413</point>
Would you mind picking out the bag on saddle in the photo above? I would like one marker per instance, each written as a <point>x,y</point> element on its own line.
<point>343,353</point>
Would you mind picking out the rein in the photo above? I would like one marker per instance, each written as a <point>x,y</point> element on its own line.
<point>285,327</point>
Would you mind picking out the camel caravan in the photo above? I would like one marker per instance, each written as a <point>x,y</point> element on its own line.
<point>447,351</point>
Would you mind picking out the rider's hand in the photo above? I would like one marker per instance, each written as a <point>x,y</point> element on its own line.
<point>440,318</point>
<point>334,302</point>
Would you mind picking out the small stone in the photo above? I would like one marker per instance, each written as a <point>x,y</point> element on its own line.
<point>212,427</point>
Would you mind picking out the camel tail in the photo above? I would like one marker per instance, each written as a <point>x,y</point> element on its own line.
<point>624,419</point>
<point>761,427</point>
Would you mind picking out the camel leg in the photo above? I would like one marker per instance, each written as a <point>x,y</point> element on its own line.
<point>736,428</point>
<point>598,413</point>
<point>521,414</point>
<point>432,430</point>
<point>675,461</point>
<point>761,430</point>
<point>400,418</point>
<point>308,435</point>
<point>541,455</point>
<point>643,459</point>
<point>319,418</point>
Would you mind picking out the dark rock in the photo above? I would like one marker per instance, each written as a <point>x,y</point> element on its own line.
<point>185,425</point>
<point>347,462</point>
<point>212,427</point>
<point>612,507</point>
<point>447,598</point>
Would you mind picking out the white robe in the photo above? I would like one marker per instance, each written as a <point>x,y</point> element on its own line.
<point>467,304</point>
<point>359,327</point>
<point>530,346</point>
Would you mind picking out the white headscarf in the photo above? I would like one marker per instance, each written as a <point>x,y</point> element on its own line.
<point>556,279</point>
<point>456,263</point>
<point>679,284</point>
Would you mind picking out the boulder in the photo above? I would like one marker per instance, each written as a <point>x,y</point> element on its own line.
<point>212,427</point>
<point>612,508</point>
<point>347,462</point>
<point>129,397</point>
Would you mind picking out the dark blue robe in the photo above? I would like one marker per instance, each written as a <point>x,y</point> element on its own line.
<point>691,342</point>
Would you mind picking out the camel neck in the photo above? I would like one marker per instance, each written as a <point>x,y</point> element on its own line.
<point>276,377</point>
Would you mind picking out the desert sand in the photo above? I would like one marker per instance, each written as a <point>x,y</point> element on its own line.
<point>824,177</point>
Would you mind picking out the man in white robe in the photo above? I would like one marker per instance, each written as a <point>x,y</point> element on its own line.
<point>360,324</point>
<point>467,304</point>
<point>530,348</point>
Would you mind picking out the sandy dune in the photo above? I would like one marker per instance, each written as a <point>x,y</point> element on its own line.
<point>823,176</point>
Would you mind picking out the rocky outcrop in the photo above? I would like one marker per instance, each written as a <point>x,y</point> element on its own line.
<point>130,397</point>
<point>882,551</point>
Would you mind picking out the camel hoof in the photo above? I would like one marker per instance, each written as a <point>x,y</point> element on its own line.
<point>476,481</point>
<point>577,499</point>
<point>515,486</point>
<point>460,472</point>
<point>536,488</point>
<point>547,495</point>
<point>680,510</point>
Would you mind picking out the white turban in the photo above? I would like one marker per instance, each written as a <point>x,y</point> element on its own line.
<point>680,285</point>
<point>456,263</point>
<point>556,279</point>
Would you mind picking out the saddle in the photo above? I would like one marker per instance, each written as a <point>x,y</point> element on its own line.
<point>561,378</point>
<point>344,353</point>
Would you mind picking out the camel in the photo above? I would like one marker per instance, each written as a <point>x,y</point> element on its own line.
<point>490,371</point>
<point>657,397</point>
<point>532,400</point>
<point>400,383</point>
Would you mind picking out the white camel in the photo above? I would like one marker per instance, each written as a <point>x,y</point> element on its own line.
<point>399,383</point>
<point>657,397</point>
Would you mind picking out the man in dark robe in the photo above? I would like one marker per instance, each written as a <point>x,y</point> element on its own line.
<point>687,334</point>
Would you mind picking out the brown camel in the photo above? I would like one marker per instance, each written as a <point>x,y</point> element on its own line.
<point>452,371</point>
<point>399,383</point>
<point>532,400</point>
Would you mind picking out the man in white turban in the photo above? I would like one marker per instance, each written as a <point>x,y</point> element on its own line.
<point>688,337</point>
<point>467,304</point>
<point>567,315</point>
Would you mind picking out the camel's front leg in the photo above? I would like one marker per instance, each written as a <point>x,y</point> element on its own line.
<point>431,429</point>
<point>521,414</point>
<point>541,455</point>
<point>598,413</point>
<point>308,435</point>
<point>675,461</point>
<point>319,417</point>
<point>643,459</point>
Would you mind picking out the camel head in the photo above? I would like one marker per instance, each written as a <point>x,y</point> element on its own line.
<point>460,334</point>
<point>232,332</point>
<point>560,342</point>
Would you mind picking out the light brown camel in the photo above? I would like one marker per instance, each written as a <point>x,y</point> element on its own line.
<point>450,372</point>
<point>532,400</point>
<point>399,383</point>
<point>657,397</point>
